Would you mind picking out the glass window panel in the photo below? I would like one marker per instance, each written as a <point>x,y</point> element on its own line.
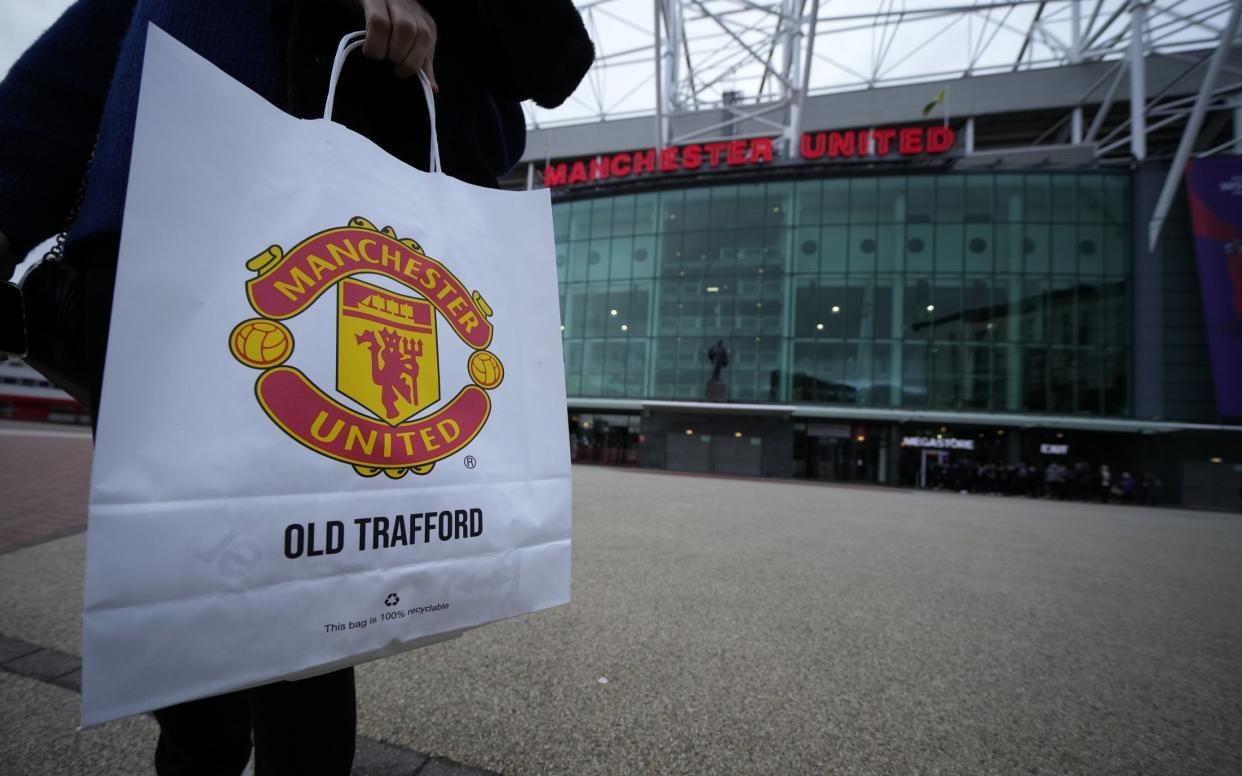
<point>779,207</point>
<point>621,258</point>
<point>914,377</point>
<point>1116,248</point>
<point>597,259</point>
<point>836,198</point>
<point>562,262</point>
<point>1088,389</point>
<point>950,199</point>
<point>646,213</point>
<point>724,206</point>
<point>1036,248</point>
<point>946,318</point>
<point>977,371</point>
<point>1008,248</point>
<point>1090,198</point>
<point>1061,328</point>
<point>671,212</point>
<point>891,200</point>
<point>918,308</point>
<point>1116,199</point>
<point>980,247</point>
<point>863,247</point>
<point>1090,250</point>
<point>834,248</point>
<point>573,367</point>
<point>949,247</point>
<point>639,311</point>
<point>1038,193</point>
<point>880,315</point>
<point>856,363</point>
<point>1005,382</point>
<point>1114,313</point>
<point>856,310</point>
<point>1064,248</point>
<point>593,368</point>
<point>806,250</point>
<point>831,300</point>
<point>1007,207</point>
<point>644,255</point>
<point>920,244</point>
<point>977,309</point>
<point>623,215</point>
<point>750,205</point>
<point>1061,379</point>
<point>1035,378</point>
<point>1007,300</point>
<point>921,199</point>
<point>890,247</point>
<point>978,198</point>
<point>1064,197</point>
<point>886,391</point>
<point>595,319</point>
<point>601,217</point>
<point>560,222</point>
<point>1035,303</point>
<point>696,210</point>
<point>863,200</point>
<point>577,253</point>
<point>810,201</point>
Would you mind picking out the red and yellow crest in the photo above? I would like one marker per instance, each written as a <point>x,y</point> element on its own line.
<point>387,352</point>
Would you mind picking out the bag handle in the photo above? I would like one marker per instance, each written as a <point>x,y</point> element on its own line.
<point>348,44</point>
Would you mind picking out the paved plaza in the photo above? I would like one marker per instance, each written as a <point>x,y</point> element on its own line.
<point>732,626</point>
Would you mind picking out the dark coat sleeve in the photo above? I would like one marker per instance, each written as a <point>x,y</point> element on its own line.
<point>50,106</point>
<point>522,49</point>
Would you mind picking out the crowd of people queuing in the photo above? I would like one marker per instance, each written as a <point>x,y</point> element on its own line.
<point>1055,480</point>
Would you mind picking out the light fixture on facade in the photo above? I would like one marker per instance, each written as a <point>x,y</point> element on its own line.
<point>758,305</point>
<point>931,308</point>
<point>625,327</point>
<point>1216,459</point>
<point>713,289</point>
<point>861,438</point>
<point>819,327</point>
<point>776,209</point>
<point>562,327</point>
<point>689,432</point>
<point>1060,435</point>
<point>612,312</point>
<point>836,308</point>
<point>1000,432</point>
<point>737,434</point>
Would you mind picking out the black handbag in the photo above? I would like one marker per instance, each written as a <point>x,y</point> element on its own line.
<point>68,305</point>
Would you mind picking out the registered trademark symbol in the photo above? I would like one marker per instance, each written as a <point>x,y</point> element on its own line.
<point>470,462</point>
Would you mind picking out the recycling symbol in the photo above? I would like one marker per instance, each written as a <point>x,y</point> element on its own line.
<point>392,600</point>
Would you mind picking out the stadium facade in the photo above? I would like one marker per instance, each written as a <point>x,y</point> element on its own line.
<point>894,290</point>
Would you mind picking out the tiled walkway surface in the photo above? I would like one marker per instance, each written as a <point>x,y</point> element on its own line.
<point>45,482</point>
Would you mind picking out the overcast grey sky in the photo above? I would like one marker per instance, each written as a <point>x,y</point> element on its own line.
<point>21,22</point>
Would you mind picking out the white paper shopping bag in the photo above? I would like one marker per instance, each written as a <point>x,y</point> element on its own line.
<point>332,423</point>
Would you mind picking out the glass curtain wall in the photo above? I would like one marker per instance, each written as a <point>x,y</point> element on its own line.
<point>1001,292</point>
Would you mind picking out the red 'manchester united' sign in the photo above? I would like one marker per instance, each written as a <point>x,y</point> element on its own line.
<point>862,143</point>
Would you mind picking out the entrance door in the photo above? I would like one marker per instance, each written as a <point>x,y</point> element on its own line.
<point>930,459</point>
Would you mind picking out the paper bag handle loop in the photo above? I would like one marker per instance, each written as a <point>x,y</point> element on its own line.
<point>351,42</point>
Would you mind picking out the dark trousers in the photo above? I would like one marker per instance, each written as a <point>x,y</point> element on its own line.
<point>302,727</point>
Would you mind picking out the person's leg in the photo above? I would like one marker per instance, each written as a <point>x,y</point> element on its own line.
<point>303,727</point>
<point>208,737</point>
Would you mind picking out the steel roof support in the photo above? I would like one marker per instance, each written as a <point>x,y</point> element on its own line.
<point>1138,82</point>
<point>1228,37</point>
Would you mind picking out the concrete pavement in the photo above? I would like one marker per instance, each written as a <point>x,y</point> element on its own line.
<point>739,626</point>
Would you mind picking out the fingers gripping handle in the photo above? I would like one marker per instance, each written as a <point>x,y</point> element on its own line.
<point>348,44</point>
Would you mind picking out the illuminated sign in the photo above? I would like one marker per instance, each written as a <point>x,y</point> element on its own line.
<point>1047,449</point>
<point>941,443</point>
<point>862,143</point>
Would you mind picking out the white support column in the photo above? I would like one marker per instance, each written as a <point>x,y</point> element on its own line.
<point>789,34</point>
<point>1075,52</point>
<point>658,51</point>
<point>1237,116</point>
<point>1138,81</point>
<point>530,175</point>
<point>1076,125</point>
<point>969,140</point>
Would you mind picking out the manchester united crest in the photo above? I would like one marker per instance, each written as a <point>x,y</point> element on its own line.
<point>387,350</point>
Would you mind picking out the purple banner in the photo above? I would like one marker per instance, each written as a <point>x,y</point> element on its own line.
<point>1214,187</point>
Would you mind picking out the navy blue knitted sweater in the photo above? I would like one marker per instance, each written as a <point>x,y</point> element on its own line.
<point>81,79</point>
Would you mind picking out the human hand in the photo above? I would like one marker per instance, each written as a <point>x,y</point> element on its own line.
<point>403,33</point>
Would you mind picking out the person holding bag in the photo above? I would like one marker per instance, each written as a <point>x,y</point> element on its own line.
<point>67,112</point>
